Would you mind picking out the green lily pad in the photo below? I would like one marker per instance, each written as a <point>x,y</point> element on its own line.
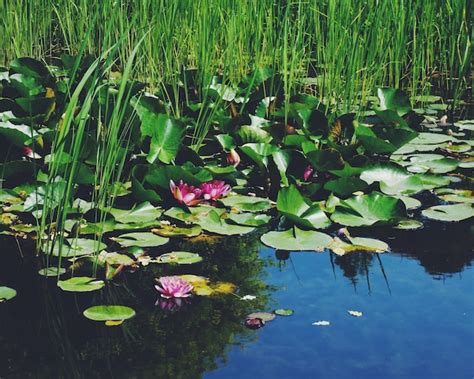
<point>265,316</point>
<point>214,223</point>
<point>284,312</point>
<point>144,212</point>
<point>81,284</point>
<point>249,219</point>
<point>367,210</point>
<point>140,239</point>
<point>409,224</point>
<point>177,231</point>
<point>299,210</point>
<point>431,139</point>
<point>179,257</point>
<point>394,99</point>
<point>247,203</point>
<point>455,195</point>
<point>78,246</point>
<point>109,313</point>
<point>358,244</point>
<point>6,293</point>
<point>296,239</point>
<point>451,213</point>
<point>410,202</point>
<point>118,259</point>
<point>51,271</point>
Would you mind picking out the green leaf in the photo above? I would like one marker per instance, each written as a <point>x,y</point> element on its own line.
<point>78,247</point>
<point>325,160</point>
<point>140,239</point>
<point>394,99</point>
<point>367,210</point>
<point>109,313</point>
<point>213,223</point>
<point>140,213</point>
<point>81,284</point>
<point>284,312</point>
<point>6,293</point>
<point>297,240</point>
<point>345,186</point>
<point>452,213</point>
<point>246,203</point>
<point>455,195</point>
<point>17,134</point>
<point>51,271</point>
<point>177,231</point>
<point>249,219</point>
<point>179,257</point>
<point>166,136</point>
<point>300,211</point>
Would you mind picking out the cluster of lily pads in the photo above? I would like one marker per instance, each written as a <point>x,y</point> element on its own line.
<point>286,168</point>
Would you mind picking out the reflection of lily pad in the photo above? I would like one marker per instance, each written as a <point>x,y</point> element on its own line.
<point>177,231</point>
<point>110,314</point>
<point>297,240</point>
<point>454,212</point>
<point>140,239</point>
<point>81,284</point>
<point>6,293</point>
<point>179,257</point>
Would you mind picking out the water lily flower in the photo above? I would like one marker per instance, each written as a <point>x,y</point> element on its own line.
<point>215,189</point>
<point>28,152</point>
<point>233,158</point>
<point>308,172</point>
<point>173,287</point>
<point>254,323</point>
<point>185,194</point>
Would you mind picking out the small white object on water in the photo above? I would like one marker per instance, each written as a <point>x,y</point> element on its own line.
<point>321,323</point>
<point>355,313</point>
<point>248,297</point>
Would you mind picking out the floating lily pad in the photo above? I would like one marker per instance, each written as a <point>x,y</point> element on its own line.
<point>110,314</point>
<point>179,257</point>
<point>177,231</point>
<point>118,259</point>
<point>247,203</point>
<point>78,246</point>
<point>144,212</point>
<point>6,293</point>
<point>284,312</point>
<point>453,213</point>
<point>249,219</point>
<point>455,195</point>
<point>81,284</point>
<point>367,210</point>
<point>410,202</point>
<point>409,225</point>
<point>51,271</point>
<point>296,239</point>
<point>431,139</point>
<point>214,223</point>
<point>140,239</point>
<point>265,316</point>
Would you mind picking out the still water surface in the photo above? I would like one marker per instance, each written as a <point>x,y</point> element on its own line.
<point>417,304</point>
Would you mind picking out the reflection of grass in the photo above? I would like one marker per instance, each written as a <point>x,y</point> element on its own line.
<point>156,343</point>
<point>353,44</point>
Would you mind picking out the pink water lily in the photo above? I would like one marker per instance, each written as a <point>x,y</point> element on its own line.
<point>233,158</point>
<point>185,194</point>
<point>308,172</point>
<point>214,190</point>
<point>173,287</point>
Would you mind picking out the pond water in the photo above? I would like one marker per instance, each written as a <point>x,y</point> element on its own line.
<point>416,302</point>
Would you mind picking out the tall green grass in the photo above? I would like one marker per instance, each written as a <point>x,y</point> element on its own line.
<point>352,46</point>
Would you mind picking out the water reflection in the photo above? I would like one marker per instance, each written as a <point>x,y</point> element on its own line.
<point>43,332</point>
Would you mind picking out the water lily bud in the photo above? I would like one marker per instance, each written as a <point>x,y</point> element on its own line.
<point>308,172</point>
<point>233,158</point>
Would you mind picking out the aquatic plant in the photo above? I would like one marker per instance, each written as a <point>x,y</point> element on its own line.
<point>214,190</point>
<point>173,286</point>
<point>186,194</point>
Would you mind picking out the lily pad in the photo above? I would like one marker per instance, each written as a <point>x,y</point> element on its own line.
<point>296,239</point>
<point>179,257</point>
<point>247,203</point>
<point>299,210</point>
<point>367,210</point>
<point>455,195</point>
<point>357,244</point>
<point>265,316</point>
<point>284,312</point>
<point>51,271</point>
<point>409,224</point>
<point>110,314</point>
<point>214,223</point>
<point>81,284</point>
<point>202,286</point>
<point>140,239</point>
<point>249,219</point>
<point>452,213</point>
<point>78,246</point>
<point>177,231</point>
<point>6,293</point>
<point>141,213</point>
